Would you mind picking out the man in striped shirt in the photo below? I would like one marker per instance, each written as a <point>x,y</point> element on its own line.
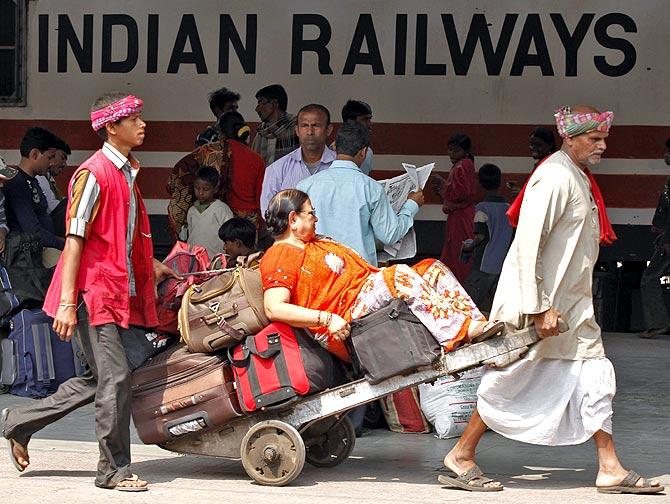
<point>104,281</point>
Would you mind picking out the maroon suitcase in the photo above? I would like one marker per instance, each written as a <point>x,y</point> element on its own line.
<point>178,392</point>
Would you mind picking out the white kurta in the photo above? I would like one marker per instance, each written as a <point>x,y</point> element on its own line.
<point>553,396</point>
<point>203,227</point>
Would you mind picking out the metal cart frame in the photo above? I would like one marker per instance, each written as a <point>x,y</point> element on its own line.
<point>273,445</point>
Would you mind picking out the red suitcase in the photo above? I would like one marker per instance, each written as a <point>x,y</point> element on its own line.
<point>277,365</point>
<point>178,392</point>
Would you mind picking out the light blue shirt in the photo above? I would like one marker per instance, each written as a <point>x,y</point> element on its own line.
<point>353,209</point>
<point>286,172</point>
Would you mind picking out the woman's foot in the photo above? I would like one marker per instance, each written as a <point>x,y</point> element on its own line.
<point>483,330</point>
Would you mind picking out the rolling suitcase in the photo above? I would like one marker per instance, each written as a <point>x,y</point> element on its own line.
<point>178,392</point>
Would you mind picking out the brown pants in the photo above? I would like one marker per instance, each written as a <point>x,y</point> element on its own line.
<point>107,381</point>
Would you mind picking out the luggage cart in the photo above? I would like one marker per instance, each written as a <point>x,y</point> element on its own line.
<point>274,445</point>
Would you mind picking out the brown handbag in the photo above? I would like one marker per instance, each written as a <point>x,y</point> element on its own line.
<point>222,311</point>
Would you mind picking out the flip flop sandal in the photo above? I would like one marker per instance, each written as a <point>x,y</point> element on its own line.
<point>490,329</point>
<point>130,488</point>
<point>627,486</point>
<point>472,480</point>
<point>11,443</point>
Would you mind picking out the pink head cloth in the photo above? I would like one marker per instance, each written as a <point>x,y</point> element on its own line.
<point>116,111</point>
<point>571,124</point>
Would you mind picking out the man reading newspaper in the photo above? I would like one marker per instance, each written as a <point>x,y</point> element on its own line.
<point>353,208</point>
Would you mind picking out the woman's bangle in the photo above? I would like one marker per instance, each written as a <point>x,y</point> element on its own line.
<point>318,318</point>
<point>67,305</point>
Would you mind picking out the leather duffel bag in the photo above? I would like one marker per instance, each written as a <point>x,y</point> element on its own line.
<point>391,341</point>
<point>222,311</point>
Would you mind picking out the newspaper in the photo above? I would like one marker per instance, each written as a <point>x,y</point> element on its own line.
<point>397,189</point>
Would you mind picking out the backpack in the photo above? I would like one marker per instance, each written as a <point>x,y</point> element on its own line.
<point>35,360</point>
<point>22,258</point>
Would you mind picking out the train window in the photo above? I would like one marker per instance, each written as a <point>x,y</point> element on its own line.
<point>12,52</point>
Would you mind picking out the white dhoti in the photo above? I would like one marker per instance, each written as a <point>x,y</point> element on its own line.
<point>549,401</point>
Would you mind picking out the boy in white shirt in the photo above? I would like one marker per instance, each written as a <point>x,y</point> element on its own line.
<point>207,213</point>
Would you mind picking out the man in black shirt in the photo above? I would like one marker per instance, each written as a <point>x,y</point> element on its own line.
<point>25,203</point>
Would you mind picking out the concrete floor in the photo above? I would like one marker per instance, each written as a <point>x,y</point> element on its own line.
<point>384,467</point>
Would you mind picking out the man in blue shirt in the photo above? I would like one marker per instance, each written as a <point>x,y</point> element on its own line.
<point>353,208</point>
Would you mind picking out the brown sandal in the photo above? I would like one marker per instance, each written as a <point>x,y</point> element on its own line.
<point>628,486</point>
<point>131,484</point>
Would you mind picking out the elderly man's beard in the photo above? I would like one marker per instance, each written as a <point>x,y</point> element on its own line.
<point>595,157</point>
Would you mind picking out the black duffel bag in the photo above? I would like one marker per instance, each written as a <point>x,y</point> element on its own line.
<point>391,341</point>
<point>22,258</point>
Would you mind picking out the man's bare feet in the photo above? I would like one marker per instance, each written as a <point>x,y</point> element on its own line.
<point>461,465</point>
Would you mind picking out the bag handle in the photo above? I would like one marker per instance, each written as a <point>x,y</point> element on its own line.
<point>274,346</point>
<point>239,363</point>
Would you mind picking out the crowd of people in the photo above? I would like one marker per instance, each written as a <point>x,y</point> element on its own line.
<point>319,216</point>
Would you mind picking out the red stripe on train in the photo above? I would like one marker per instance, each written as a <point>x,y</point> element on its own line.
<point>636,142</point>
<point>620,191</point>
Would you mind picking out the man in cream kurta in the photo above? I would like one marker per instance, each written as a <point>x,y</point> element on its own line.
<point>561,393</point>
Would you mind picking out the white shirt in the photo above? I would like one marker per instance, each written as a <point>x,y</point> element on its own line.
<point>550,262</point>
<point>203,228</point>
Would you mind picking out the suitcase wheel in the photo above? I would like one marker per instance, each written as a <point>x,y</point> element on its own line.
<point>273,453</point>
<point>329,442</point>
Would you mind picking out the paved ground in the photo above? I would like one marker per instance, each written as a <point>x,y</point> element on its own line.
<point>385,467</point>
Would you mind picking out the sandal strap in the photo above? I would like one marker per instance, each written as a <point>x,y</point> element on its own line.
<point>631,479</point>
<point>472,473</point>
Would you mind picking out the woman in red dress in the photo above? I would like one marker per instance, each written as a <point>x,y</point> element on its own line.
<point>458,202</point>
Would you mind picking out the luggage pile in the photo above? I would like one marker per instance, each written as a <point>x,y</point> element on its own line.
<point>231,360</point>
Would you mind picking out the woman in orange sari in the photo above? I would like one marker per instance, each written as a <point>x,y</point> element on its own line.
<point>313,281</point>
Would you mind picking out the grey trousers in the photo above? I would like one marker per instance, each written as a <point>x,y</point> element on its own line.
<point>654,302</point>
<point>107,381</point>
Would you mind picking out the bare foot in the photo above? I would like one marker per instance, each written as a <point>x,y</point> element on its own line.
<point>606,479</point>
<point>481,330</point>
<point>20,455</point>
<point>460,465</point>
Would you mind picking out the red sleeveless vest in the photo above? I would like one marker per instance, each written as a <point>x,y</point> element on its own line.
<point>103,275</point>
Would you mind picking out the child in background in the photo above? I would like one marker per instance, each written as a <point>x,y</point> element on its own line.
<point>207,213</point>
<point>239,238</point>
<point>493,235</point>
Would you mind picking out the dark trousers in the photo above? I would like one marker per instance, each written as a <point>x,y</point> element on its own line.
<point>654,302</point>
<point>107,381</point>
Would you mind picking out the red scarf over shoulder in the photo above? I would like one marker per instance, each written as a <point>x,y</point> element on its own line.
<point>607,235</point>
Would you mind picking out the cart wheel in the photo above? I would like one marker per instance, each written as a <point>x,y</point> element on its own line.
<point>332,446</point>
<point>273,453</point>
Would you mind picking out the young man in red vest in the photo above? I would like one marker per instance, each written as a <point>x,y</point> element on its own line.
<point>104,281</point>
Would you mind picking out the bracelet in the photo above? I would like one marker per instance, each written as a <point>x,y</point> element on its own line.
<point>67,305</point>
<point>318,319</point>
